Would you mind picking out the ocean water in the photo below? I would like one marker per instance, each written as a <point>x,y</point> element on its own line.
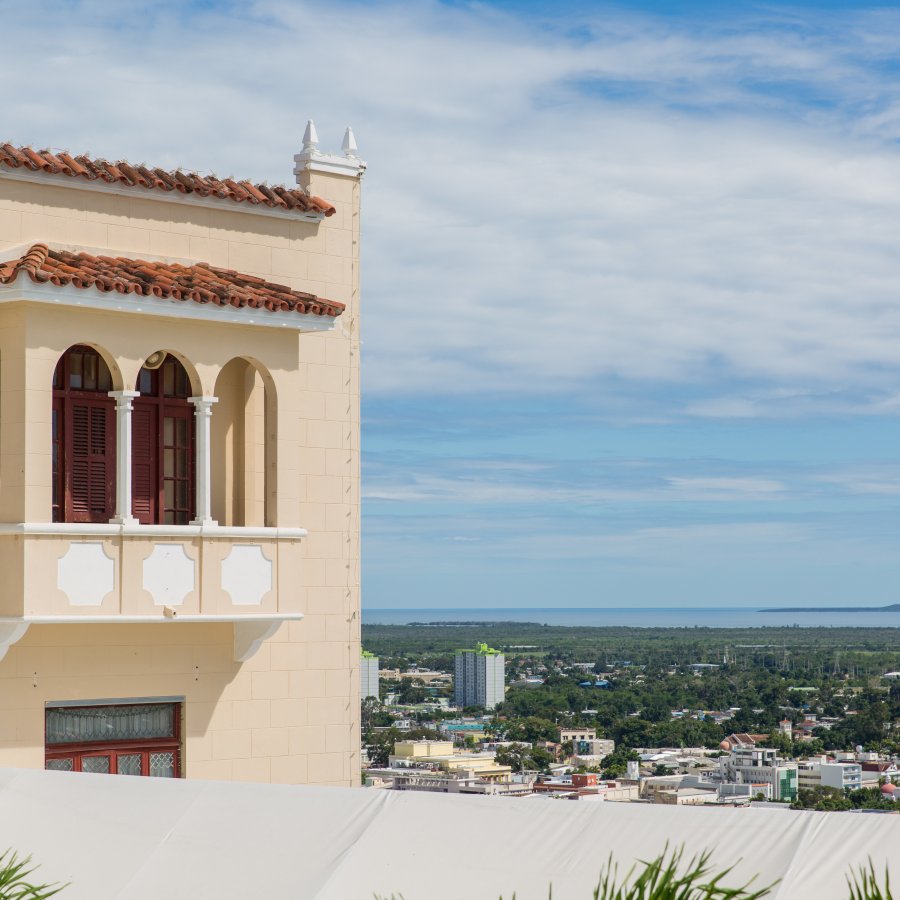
<point>639,617</point>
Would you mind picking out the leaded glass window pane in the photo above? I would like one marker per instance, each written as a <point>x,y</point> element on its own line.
<point>95,764</point>
<point>59,765</point>
<point>78,725</point>
<point>129,763</point>
<point>162,765</point>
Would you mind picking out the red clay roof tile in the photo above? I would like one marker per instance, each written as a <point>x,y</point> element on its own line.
<point>201,282</point>
<point>121,172</point>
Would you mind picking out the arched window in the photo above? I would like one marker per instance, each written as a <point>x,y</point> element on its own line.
<point>162,446</point>
<point>84,442</point>
<point>241,481</point>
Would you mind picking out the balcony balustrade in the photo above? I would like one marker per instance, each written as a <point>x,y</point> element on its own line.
<point>88,573</point>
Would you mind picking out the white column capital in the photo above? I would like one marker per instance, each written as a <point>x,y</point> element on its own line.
<point>203,405</point>
<point>123,398</point>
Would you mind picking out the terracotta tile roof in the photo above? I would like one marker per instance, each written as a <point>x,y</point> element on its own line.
<point>123,173</point>
<point>201,282</point>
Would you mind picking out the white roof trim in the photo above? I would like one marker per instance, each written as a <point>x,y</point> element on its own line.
<point>91,298</point>
<point>140,193</point>
<point>312,160</point>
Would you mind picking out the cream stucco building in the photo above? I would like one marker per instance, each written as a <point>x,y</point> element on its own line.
<point>179,469</point>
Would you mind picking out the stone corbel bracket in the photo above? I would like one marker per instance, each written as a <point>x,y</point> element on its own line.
<point>10,633</point>
<point>250,636</point>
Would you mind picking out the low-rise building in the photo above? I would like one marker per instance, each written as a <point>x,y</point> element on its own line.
<point>585,786</point>
<point>462,782</point>
<point>687,796</point>
<point>820,771</point>
<point>697,790</point>
<point>845,776</point>
<point>873,770</point>
<point>460,729</point>
<point>761,765</point>
<point>742,740</point>
<point>809,773</point>
<point>428,677</point>
<point>655,784</point>
<point>740,794</point>
<point>443,756</point>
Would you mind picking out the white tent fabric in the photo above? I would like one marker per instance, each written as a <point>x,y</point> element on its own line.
<point>144,838</point>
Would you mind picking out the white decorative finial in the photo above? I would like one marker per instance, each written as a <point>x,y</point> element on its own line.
<point>310,136</point>
<point>312,160</point>
<point>349,145</point>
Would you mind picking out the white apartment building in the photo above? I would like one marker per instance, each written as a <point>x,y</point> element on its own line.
<point>760,765</point>
<point>480,677</point>
<point>368,675</point>
<point>845,776</point>
<point>819,772</point>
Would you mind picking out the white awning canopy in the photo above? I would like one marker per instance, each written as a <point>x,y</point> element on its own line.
<point>121,838</point>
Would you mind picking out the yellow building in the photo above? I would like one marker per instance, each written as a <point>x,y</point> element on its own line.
<point>179,469</point>
<point>422,749</point>
<point>442,755</point>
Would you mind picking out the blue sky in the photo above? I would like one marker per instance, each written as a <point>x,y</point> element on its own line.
<point>631,316</point>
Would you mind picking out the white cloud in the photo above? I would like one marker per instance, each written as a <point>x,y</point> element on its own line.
<point>883,480</point>
<point>731,486</point>
<point>659,201</point>
<point>576,486</point>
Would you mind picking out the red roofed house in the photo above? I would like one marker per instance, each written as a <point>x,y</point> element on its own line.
<point>742,740</point>
<point>179,469</point>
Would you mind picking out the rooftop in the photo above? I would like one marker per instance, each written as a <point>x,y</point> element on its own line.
<point>200,283</point>
<point>337,843</point>
<point>482,650</point>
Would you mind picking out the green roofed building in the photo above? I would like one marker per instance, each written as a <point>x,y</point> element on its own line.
<point>480,677</point>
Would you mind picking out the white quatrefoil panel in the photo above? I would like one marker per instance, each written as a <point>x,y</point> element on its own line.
<point>246,575</point>
<point>86,574</point>
<point>168,574</point>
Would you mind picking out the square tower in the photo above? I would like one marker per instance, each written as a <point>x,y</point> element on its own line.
<point>179,468</point>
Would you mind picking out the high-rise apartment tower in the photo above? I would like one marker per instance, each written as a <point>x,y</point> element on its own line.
<point>479,677</point>
<point>368,675</point>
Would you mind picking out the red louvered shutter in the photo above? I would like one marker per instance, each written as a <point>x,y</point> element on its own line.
<point>58,492</point>
<point>91,461</point>
<point>144,476</point>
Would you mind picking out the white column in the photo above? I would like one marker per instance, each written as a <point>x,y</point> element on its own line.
<point>202,466</point>
<point>123,456</point>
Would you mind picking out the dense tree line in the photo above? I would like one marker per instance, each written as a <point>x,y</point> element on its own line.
<point>816,654</point>
<point>766,674</point>
<point>826,799</point>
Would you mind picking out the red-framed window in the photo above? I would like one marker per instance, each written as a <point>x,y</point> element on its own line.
<point>83,435</point>
<point>162,446</point>
<point>115,739</point>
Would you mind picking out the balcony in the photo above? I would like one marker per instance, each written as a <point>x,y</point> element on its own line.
<point>130,573</point>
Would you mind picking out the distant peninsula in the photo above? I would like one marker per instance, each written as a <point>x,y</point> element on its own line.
<point>893,607</point>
